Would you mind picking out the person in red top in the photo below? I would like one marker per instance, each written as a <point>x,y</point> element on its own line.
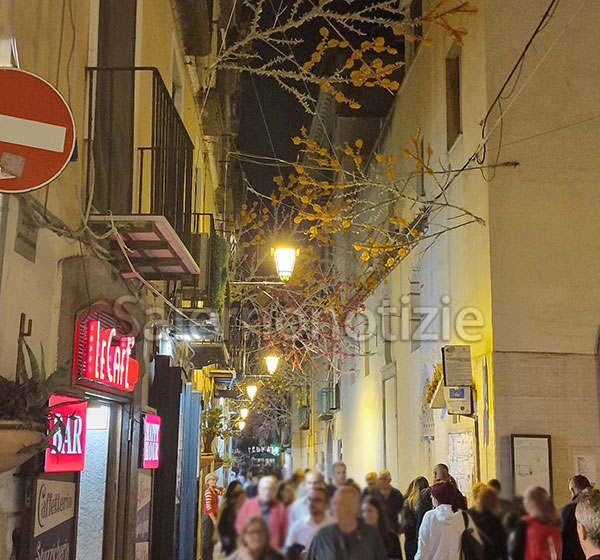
<point>210,508</point>
<point>538,536</point>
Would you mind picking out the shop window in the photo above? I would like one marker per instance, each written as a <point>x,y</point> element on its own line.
<point>453,121</point>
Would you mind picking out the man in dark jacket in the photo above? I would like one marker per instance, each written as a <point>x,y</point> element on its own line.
<point>349,538</point>
<point>392,499</point>
<point>571,549</point>
<point>440,474</point>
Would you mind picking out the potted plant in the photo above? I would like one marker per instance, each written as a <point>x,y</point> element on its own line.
<point>228,461</point>
<point>24,409</point>
<point>213,426</point>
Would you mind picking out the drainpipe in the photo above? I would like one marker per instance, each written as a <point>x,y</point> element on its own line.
<point>3,224</point>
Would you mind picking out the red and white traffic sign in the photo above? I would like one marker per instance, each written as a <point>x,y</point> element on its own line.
<point>37,131</point>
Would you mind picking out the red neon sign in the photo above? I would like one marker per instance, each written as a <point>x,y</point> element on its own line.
<point>67,453</point>
<point>108,357</point>
<point>151,442</point>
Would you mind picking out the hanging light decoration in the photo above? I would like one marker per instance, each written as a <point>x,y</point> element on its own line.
<point>251,390</point>
<point>272,363</point>
<point>241,425</point>
<point>244,413</point>
<point>285,258</point>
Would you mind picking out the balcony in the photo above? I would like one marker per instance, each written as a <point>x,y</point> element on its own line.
<point>140,171</point>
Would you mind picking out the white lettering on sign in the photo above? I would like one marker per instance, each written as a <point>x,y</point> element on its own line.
<point>68,443</point>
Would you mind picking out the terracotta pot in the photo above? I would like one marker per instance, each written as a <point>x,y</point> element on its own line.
<point>206,459</point>
<point>14,436</point>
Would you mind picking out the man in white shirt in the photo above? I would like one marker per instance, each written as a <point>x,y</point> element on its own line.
<point>300,508</point>
<point>303,530</point>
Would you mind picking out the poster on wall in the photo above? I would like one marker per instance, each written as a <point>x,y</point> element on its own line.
<point>54,520</point>
<point>461,459</point>
<point>531,462</point>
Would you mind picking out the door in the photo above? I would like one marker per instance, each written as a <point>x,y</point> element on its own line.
<point>390,426</point>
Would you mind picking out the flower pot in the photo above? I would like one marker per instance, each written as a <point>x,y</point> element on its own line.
<point>206,459</point>
<point>14,436</point>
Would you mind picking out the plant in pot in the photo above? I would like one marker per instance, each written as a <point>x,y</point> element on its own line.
<point>24,409</point>
<point>213,426</point>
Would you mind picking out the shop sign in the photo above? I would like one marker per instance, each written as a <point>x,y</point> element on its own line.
<point>108,357</point>
<point>54,519</point>
<point>67,450</point>
<point>151,442</point>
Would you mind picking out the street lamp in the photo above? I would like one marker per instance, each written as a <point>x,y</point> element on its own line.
<point>285,258</point>
<point>244,413</point>
<point>241,425</point>
<point>251,389</point>
<point>272,363</point>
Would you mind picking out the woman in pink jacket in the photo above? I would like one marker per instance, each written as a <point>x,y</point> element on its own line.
<point>266,506</point>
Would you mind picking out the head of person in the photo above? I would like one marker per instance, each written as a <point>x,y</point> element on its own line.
<point>232,487</point>
<point>372,513</point>
<point>318,501</point>
<point>494,483</point>
<point>339,473</point>
<point>297,478</point>
<point>286,493</point>
<point>371,480</point>
<point>538,503</point>
<point>414,490</point>
<point>485,498</point>
<point>312,480</point>
<point>238,498</point>
<point>578,484</point>
<point>443,493</point>
<point>384,479</point>
<point>267,489</point>
<point>254,536</point>
<point>346,504</point>
<point>210,479</point>
<point>441,473</point>
<point>587,514</point>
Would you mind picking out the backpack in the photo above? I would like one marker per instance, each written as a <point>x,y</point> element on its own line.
<point>470,547</point>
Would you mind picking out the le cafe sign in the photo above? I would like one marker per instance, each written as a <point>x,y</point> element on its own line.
<point>67,450</point>
<point>106,357</point>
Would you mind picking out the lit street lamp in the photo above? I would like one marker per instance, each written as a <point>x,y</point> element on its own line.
<point>251,389</point>
<point>272,363</point>
<point>285,258</point>
<point>244,413</point>
<point>241,425</point>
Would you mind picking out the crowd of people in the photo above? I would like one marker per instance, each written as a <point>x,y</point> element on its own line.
<point>305,518</point>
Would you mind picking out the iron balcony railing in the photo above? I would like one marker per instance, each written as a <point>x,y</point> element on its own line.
<point>140,159</point>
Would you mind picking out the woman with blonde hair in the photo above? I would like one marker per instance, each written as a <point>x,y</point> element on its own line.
<point>538,535</point>
<point>491,530</point>
<point>253,541</point>
<point>408,524</point>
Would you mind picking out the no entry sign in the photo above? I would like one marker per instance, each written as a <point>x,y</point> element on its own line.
<point>37,132</point>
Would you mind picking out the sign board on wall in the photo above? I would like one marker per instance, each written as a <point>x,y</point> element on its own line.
<point>531,462</point>
<point>103,351</point>
<point>150,442</point>
<point>67,453</point>
<point>37,131</point>
<point>456,360</point>
<point>459,400</point>
<point>53,519</point>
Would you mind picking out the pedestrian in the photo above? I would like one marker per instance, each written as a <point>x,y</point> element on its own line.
<point>210,510</point>
<point>270,509</point>
<point>252,487</point>
<point>371,481</point>
<point>392,499</point>
<point>571,548</point>
<point>440,474</point>
<point>300,508</point>
<point>349,538</point>
<point>226,524</point>
<point>505,506</point>
<point>442,528</point>
<point>373,513</point>
<point>303,530</point>
<point>587,513</point>
<point>408,524</point>
<point>285,493</point>
<point>297,480</point>
<point>338,470</point>
<point>537,536</point>
<point>253,542</point>
<point>485,516</point>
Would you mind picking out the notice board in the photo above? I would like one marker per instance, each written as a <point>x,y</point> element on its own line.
<point>531,462</point>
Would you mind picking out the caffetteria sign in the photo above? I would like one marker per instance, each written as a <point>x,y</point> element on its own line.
<point>103,351</point>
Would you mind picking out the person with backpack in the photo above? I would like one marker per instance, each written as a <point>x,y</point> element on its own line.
<point>447,533</point>
<point>485,516</point>
<point>537,536</point>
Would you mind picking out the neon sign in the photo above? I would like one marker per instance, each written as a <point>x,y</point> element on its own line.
<point>151,442</point>
<point>67,451</point>
<point>108,357</point>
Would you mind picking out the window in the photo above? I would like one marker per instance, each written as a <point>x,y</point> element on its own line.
<point>453,124</point>
<point>415,302</point>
